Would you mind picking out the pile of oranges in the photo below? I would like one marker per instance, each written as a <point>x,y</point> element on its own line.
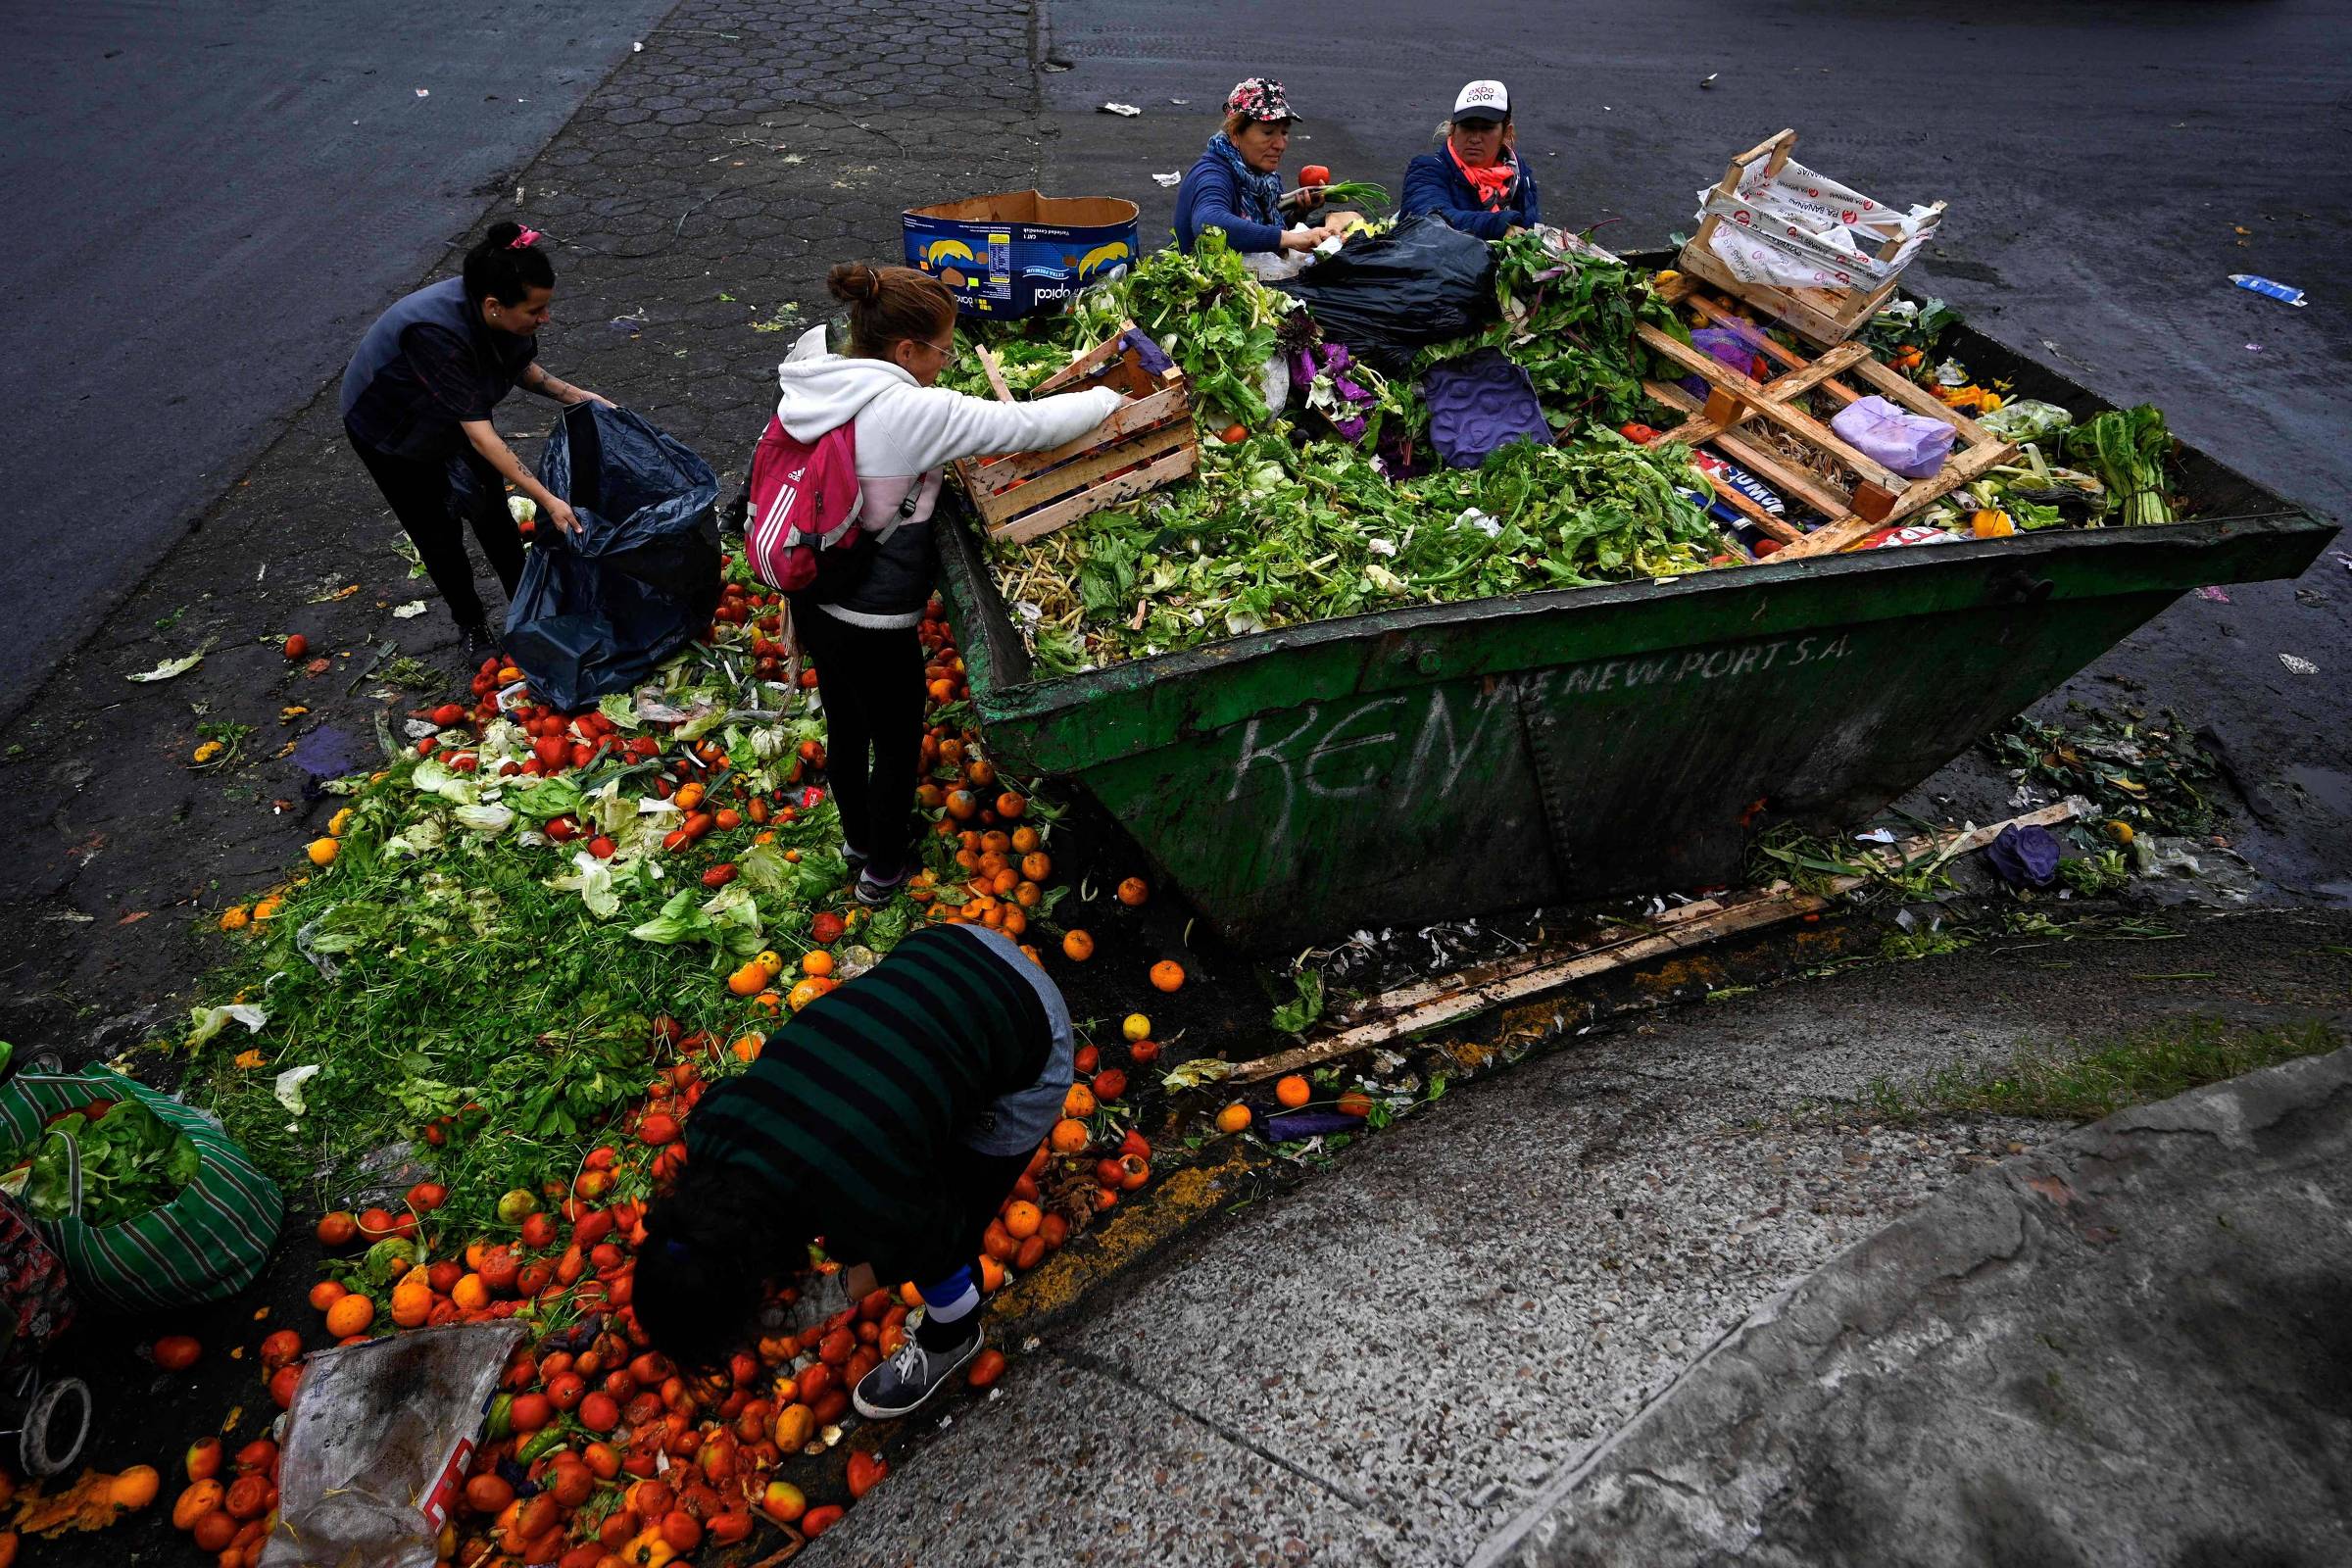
<point>598,1452</point>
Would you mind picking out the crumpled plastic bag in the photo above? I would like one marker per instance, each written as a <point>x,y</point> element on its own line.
<point>377,1444</point>
<point>2026,419</point>
<point>2024,856</point>
<point>1421,282</point>
<point>1732,345</point>
<point>598,609</point>
<point>1912,445</point>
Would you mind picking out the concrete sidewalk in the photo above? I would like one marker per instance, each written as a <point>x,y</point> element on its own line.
<point>2128,1345</point>
<point>1396,1362</point>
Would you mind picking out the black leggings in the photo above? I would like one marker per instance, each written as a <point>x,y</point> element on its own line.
<point>872,682</point>
<point>434,512</point>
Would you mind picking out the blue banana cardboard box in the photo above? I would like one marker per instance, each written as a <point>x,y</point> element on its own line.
<point>1018,253</point>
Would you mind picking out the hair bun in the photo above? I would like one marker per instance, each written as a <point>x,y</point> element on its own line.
<point>502,235</point>
<point>853,284</point>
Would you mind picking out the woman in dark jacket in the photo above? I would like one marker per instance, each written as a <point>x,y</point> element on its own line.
<point>1235,185</point>
<point>1475,181</point>
<point>416,402</point>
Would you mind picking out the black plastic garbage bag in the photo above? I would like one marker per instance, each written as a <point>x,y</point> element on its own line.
<point>1420,283</point>
<point>600,608</point>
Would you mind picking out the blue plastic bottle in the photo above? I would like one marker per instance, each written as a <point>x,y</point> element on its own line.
<point>2263,285</point>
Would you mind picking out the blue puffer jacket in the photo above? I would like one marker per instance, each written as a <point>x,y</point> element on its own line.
<point>1433,185</point>
<point>1211,198</point>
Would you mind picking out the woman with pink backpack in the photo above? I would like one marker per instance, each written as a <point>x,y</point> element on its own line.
<point>857,616</point>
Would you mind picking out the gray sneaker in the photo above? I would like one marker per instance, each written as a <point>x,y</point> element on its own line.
<point>874,892</point>
<point>909,1377</point>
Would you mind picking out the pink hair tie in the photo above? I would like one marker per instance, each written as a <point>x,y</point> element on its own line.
<point>524,241</point>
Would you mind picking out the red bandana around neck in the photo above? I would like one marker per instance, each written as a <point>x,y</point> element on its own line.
<point>1492,182</point>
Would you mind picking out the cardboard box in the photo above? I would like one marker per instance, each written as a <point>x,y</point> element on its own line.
<point>1018,253</point>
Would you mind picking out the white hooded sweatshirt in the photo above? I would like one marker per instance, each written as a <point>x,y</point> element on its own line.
<point>905,433</point>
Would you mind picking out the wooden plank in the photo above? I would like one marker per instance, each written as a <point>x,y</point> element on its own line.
<point>1805,378</point>
<point>1418,992</point>
<point>993,370</point>
<point>1706,366</point>
<point>1728,922</point>
<point>1036,524</point>
<point>1816,313</point>
<point>1100,354</point>
<point>1900,388</point>
<point>1828,541</point>
<point>1786,532</point>
<point>1955,473</point>
<point>1778,147</point>
<point>1130,418</point>
<point>1071,477</point>
<point>1769,467</point>
<point>1770,907</point>
<point>1837,361</point>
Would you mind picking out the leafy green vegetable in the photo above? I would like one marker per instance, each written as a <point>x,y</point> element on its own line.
<point>1277,534</point>
<point>1568,322</point>
<point>1904,324</point>
<point>1301,1013</point>
<point>1357,195</point>
<point>1210,315</point>
<point>133,1161</point>
<point>2128,452</point>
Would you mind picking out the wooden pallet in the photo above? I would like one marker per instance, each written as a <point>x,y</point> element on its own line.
<point>1147,443</point>
<point>1874,497</point>
<point>1827,316</point>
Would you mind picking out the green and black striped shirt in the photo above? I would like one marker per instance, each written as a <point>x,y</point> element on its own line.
<point>854,1108</point>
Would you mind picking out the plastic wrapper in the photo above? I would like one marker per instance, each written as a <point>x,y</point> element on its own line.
<point>1478,402</point>
<point>2026,419</point>
<point>598,608</point>
<point>1420,283</point>
<point>1910,444</point>
<point>377,1444</point>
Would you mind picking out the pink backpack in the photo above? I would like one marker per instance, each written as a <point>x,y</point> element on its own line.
<point>802,502</point>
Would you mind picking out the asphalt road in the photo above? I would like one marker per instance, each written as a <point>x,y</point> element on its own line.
<point>2108,166</point>
<point>211,201</point>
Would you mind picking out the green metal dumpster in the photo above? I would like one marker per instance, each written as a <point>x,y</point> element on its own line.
<point>1452,759</point>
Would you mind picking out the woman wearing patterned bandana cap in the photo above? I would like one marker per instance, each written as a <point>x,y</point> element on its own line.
<point>1235,185</point>
<point>1475,181</point>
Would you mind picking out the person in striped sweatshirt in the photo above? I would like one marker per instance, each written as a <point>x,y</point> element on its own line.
<point>889,1119</point>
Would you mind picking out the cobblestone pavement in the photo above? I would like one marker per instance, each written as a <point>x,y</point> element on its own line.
<point>697,198</point>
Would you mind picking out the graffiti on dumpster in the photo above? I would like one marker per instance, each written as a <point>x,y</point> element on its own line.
<point>1348,749</point>
<point>1341,751</point>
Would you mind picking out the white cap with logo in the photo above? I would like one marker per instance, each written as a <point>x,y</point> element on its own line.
<point>1482,100</point>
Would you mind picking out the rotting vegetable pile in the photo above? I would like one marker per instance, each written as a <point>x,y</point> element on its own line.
<point>1326,507</point>
<point>472,1029</point>
<point>533,938</point>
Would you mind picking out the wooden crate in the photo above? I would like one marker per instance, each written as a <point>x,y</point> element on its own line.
<point>1147,443</point>
<point>1875,495</point>
<point>1824,316</point>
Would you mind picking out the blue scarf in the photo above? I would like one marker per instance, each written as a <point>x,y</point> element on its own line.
<point>1260,192</point>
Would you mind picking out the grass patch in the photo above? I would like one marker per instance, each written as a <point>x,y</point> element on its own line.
<point>2071,1084</point>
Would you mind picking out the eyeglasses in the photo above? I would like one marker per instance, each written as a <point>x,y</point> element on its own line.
<point>944,351</point>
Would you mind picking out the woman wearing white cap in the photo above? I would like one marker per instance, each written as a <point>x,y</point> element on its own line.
<point>1475,181</point>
